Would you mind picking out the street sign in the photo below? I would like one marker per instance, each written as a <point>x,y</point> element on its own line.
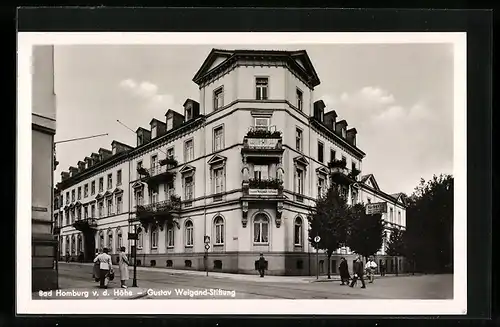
<point>375,208</point>
<point>317,239</point>
<point>207,239</point>
<point>132,236</point>
<point>207,246</point>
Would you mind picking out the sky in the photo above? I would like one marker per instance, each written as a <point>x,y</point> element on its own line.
<point>399,97</point>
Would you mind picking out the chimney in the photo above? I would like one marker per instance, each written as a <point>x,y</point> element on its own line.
<point>158,128</point>
<point>117,147</point>
<point>330,119</point>
<point>81,166</point>
<point>64,175</point>
<point>95,158</point>
<point>104,154</point>
<point>143,136</point>
<point>340,128</point>
<point>174,119</point>
<point>351,136</point>
<point>319,110</point>
<point>191,110</point>
<point>73,171</point>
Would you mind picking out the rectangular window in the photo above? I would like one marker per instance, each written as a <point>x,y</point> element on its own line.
<point>399,217</point>
<point>219,98</point>
<point>218,138</point>
<point>321,186</point>
<point>261,88</point>
<point>188,188</point>
<point>86,212</point>
<point>119,177</point>
<point>92,211</point>
<point>139,165</point>
<point>189,113</point>
<point>261,123</point>
<point>92,188</point>
<point>79,213</point>
<point>154,161</point>
<point>169,190</point>
<point>320,152</point>
<point>67,197</point>
<point>110,181</point>
<point>391,217</point>
<point>169,123</point>
<point>140,240</point>
<point>344,159</point>
<point>298,139</point>
<point>79,193</point>
<point>72,195</point>
<point>154,239</point>
<point>261,171</point>
<point>170,238</point>
<point>219,180</point>
<point>188,150</point>
<point>101,184</point>
<point>110,206</point>
<point>300,181</point>
<point>353,166</point>
<point>139,199</point>
<point>101,209</point>
<point>300,100</point>
<point>118,204</point>
<point>154,194</point>
<point>86,190</point>
<point>332,154</point>
<point>170,152</point>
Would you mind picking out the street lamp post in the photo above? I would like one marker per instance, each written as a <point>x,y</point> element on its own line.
<point>134,236</point>
<point>316,240</point>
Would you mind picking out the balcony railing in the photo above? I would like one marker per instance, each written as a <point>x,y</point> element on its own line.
<point>263,187</point>
<point>158,174</point>
<point>263,139</point>
<point>341,174</point>
<point>85,224</point>
<point>159,212</point>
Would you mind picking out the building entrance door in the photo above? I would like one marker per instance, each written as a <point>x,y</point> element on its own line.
<point>89,246</point>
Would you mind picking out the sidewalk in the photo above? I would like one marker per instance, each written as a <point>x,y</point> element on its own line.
<point>240,277</point>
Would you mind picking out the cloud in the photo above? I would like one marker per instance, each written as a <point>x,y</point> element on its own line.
<point>401,142</point>
<point>147,92</point>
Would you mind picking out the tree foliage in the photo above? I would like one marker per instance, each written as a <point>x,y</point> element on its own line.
<point>366,232</point>
<point>396,243</point>
<point>429,225</point>
<point>329,221</point>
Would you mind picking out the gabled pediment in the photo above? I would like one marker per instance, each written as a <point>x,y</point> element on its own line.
<point>72,205</point>
<point>216,159</point>
<point>214,59</point>
<point>117,190</point>
<point>137,185</point>
<point>301,160</point>
<point>187,169</point>
<point>99,196</point>
<point>108,193</point>
<point>78,204</point>
<point>322,170</point>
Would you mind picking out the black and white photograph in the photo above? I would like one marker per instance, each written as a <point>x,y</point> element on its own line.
<point>231,167</point>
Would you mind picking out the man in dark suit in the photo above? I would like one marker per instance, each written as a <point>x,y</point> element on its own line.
<point>358,271</point>
<point>262,265</point>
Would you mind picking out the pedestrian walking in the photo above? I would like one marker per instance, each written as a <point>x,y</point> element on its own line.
<point>105,268</point>
<point>358,271</point>
<point>123,264</point>
<point>370,269</point>
<point>96,271</point>
<point>382,268</point>
<point>344,272</point>
<point>262,265</point>
<point>67,257</point>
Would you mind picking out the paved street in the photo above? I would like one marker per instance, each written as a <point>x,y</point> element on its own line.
<point>75,282</point>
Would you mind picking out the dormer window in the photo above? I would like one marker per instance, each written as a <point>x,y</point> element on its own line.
<point>343,132</point>
<point>170,123</point>
<point>154,131</point>
<point>189,113</point>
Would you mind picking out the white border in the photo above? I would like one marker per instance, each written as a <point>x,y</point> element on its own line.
<point>24,303</point>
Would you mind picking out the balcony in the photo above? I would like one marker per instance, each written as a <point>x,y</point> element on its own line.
<point>162,173</point>
<point>263,187</point>
<point>256,191</point>
<point>262,143</point>
<point>159,212</point>
<point>340,174</point>
<point>86,224</point>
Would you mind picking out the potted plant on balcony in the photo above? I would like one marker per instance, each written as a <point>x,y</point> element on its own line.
<point>175,200</point>
<point>263,133</point>
<point>271,183</point>
<point>337,166</point>
<point>170,161</point>
<point>354,173</point>
<point>142,171</point>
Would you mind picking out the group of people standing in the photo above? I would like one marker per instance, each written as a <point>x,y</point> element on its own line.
<point>103,268</point>
<point>358,270</point>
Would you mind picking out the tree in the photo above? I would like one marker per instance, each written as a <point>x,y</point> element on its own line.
<point>328,220</point>
<point>395,245</point>
<point>429,230</point>
<point>366,232</point>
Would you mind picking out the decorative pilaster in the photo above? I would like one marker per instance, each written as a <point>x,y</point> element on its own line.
<point>244,209</point>
<point>279,211</point>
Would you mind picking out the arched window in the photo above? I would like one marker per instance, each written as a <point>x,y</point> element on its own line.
<point>189,233</point>
<point>298,231</point>
<point>170,237</point>
<point>219,230</point>
<point>261,229</point>
<point>154,238</point>
<point>110,241</point>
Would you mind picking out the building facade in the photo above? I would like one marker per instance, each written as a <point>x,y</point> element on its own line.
<point>243,166</point>
<point>44,247</point>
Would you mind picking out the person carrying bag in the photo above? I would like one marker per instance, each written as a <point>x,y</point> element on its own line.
<point>106,272</point>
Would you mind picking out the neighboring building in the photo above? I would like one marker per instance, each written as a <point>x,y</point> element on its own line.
<point>243,166</point>
<point>44,247</point>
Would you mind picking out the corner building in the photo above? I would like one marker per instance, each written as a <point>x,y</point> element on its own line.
<point>243,165</point>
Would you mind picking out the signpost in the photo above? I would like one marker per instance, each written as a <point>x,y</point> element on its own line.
<point>316,240</point>
<point>376,208</point>
<point>207,247</point>
<point>134,236</point>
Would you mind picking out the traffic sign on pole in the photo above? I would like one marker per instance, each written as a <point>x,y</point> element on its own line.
<point>207,239</point>
<point>317,239</point>
<point>207,246</point>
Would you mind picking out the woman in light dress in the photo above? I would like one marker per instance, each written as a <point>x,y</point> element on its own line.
<point>123,265</point>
